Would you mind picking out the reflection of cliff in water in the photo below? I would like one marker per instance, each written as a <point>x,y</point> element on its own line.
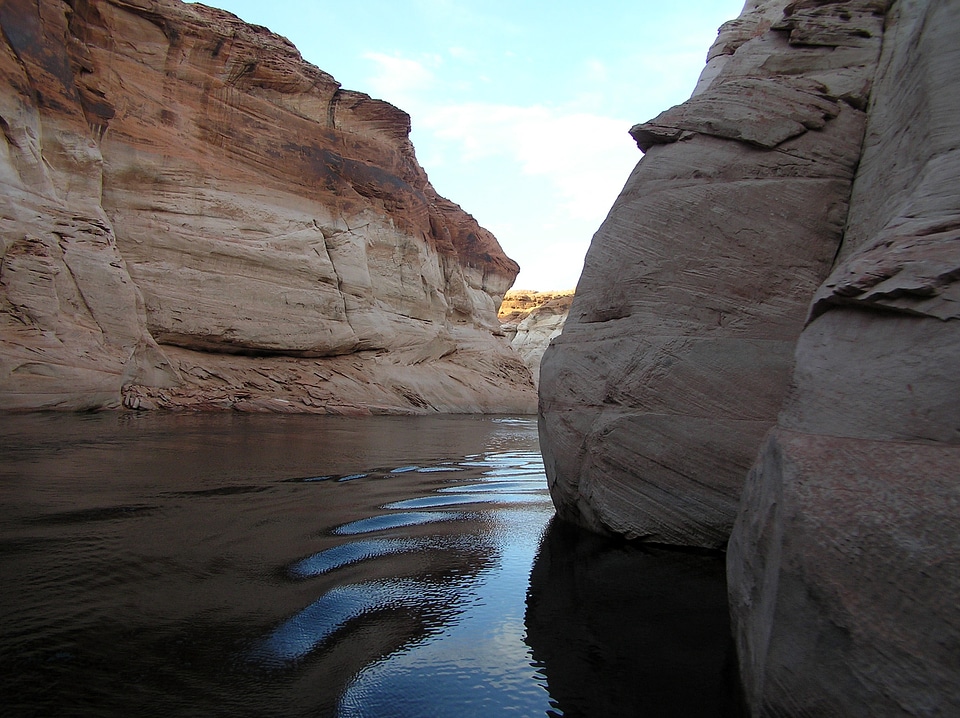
<point>619,629</point>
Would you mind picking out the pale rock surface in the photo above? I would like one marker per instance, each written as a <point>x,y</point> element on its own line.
<point>537,330</point>
<point>844,564</point>
<point>185,198</point>
<point>678,348</point>
<point>532,320</point>
<point>519,303</point>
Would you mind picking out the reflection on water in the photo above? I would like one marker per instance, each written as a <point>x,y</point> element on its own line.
<point>394,521</point>
<point>627,630</point>
<point>318,566</point>
<point>344,555</point>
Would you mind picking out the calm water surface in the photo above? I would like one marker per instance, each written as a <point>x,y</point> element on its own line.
<point>231,565</point>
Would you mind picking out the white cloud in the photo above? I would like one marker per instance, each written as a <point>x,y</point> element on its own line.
<point>399,78</point>
<point>462,53</point>
<point>584,157</point>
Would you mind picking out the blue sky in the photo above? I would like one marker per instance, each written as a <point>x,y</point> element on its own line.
<point>520,109</point>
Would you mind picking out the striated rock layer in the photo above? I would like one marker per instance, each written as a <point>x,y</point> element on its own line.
<point>776,296</point>
<point>844,564</point>
<point>538,329</point>
<point>193,216</point>
<point>532,320</point>
<point>678,348</point>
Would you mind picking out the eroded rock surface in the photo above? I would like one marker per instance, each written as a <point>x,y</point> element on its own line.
<point>532,320</point>
<point>193,216</point>
<point>678,348</point>
<point>786,298</point>
<point>844,564</point>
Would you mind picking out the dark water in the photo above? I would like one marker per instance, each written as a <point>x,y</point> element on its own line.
<point>229,565</point>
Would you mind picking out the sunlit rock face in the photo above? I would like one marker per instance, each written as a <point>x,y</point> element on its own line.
<point>678,348</point>
<point>538,329</point>
<point>844,564</point>
<point>193,216</point>
<point>532,320</point>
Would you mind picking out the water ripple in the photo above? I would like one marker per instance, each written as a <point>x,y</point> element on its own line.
<point>351,553</point>
<point>301,634</point>
<point>220,491</point>
<point>491,497</point>
<point>500,479</point>
<point>105,513</point>
<point>393,521</point>
<point>498,487</point>
<point>442,468</point>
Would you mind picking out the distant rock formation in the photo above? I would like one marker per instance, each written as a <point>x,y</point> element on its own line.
<point>777,287</point>
<point>517,304</point>
<point>531,320</point>
<point>194,217</point>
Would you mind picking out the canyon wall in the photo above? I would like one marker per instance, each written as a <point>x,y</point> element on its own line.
<point>773,300</point>
<point>677,351</point>
<point>532,320</point>
<point>844,564</point>
<point>194,217</point>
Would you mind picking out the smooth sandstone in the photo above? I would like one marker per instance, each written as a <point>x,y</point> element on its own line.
<point>185,197</point>
<point>678,348</point>
<point>785,310</point>
<point>844,564</point>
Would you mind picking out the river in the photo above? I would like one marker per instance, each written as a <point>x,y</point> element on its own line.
<point>245,565</point>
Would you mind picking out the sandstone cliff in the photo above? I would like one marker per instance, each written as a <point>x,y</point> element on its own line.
<point>787,264</point>
<point>518,304</point>
<point>844,564</point>
<point>676,355</point>
<point>532,320</point>
<point>193,216</point>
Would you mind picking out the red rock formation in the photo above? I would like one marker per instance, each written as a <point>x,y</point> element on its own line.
<point>175,175</point>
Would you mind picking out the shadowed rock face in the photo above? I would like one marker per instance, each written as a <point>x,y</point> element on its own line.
<point>678,348</point>
<point>844,564</point>
<point>785,308</point>
<point>192,216</point>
